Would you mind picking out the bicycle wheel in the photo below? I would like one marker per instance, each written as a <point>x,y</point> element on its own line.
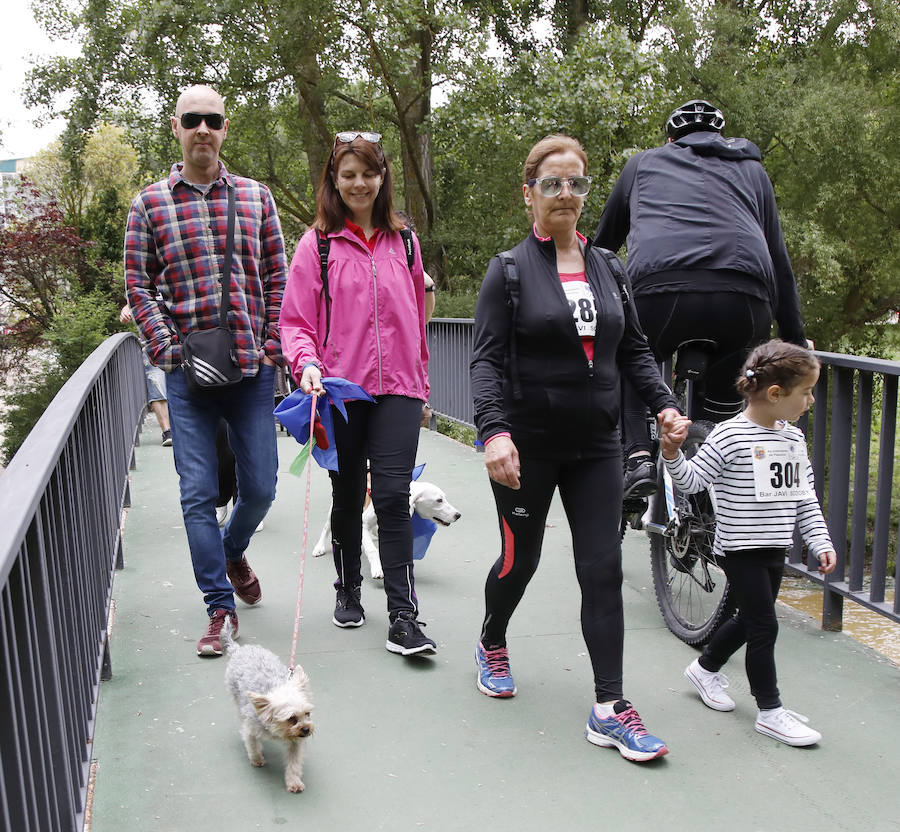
<point>691,587</point>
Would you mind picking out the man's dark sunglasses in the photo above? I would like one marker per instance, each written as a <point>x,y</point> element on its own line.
<point>214,121</point>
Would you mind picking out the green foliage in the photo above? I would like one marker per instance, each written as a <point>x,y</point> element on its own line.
<point>79,327</point>
<point>602,92</point>
<point>25,402</point>
<point>456,431</point>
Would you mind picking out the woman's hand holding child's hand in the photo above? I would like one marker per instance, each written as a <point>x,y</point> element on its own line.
<point>673,430</point>
<point>827,562</point>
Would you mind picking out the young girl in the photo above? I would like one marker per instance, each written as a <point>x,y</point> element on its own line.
<point>763,482</point>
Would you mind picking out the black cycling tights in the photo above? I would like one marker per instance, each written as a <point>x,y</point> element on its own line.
<point>591,493</point>
<point>735,321</point>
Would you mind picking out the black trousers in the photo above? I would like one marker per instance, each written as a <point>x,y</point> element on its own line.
<point>591,493</point>
<point>755,578</point>
<point>226,466</point>
<point>387,435</point>
<point>735,321</point>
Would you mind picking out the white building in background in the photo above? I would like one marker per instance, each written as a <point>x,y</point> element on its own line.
<point>11,171</point>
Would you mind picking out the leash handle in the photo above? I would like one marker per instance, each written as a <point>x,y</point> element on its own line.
<point>312,425</point>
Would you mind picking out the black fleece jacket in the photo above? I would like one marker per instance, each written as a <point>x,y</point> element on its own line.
<point>699,215</point>
<point>569,407</point>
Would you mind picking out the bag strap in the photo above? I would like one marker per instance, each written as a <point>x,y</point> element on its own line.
<point>615,265</point>
<point>511,280</point>
<point>324,247</point>
<point>229,259</point>
<point>406,234</point>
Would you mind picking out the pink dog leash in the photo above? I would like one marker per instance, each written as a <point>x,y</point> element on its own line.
<point>312,425</point>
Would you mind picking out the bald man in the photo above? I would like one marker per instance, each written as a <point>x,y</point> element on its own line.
<point>174,254</point>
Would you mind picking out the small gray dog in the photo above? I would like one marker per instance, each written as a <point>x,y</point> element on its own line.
<point>270,701</point>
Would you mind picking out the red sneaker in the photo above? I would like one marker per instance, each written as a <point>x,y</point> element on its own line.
<point>244,581</point>
<point>211,643</point>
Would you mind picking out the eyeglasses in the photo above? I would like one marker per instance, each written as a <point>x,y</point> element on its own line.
<point>553,185</point>
<point>214,121</point>
<point>349,135</point>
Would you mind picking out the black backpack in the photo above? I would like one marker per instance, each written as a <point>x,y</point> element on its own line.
<point>511,281</point>
<point>325,247</point>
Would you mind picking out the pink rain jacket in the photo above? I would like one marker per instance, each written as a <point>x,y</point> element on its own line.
<point>377,337</point>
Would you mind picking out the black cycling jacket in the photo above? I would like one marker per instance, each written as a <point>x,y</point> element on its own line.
<point>703,204</point>
<point>569,407</point>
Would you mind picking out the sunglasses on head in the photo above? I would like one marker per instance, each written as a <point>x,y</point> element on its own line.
<point>553,185</point>
<point>214,121</point>
<point>349,135</point>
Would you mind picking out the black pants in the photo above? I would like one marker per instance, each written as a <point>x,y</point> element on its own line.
<point>387,435</point>
<point>591,493</point>
<point>226,470</point>
<point>736,322</point>
<point>755,578</point>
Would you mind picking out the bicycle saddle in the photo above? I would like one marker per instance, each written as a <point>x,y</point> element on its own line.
<point>692,357</point>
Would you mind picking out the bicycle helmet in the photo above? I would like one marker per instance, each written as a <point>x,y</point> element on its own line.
<point>694,115</point>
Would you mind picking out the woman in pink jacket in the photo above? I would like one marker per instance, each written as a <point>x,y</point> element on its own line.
<point>372,332</point>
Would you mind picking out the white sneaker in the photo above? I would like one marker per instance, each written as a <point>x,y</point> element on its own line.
<point>710,686</point>
<point>787,727</point>
<point>221,514</point>
<point>260,527</point>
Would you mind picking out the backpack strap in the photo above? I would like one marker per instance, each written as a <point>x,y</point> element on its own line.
<point>324,247</point>
<point>406,234</point>
<point>511,281</point>
<point>615,265</point>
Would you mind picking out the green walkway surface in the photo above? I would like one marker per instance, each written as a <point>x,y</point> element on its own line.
<point>406,744</point>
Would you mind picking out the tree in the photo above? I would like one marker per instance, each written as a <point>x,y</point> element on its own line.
<point>288,70</point>
<point>39,257</point>
<point>816,87</point>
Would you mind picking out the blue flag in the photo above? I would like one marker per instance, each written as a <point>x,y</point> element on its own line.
<point>294,413</point>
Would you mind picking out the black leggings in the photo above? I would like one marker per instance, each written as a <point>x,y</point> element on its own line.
<point>591,493</point>
<point>755,578</point>
<point>387,435</point>
<point>735,321</point>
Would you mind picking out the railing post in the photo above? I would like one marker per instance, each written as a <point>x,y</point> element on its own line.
<point>838,491</point>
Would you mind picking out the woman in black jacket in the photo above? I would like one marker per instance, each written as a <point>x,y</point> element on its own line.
<point>553,329</point>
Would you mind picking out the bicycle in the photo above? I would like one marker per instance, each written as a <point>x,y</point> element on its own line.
<point>691,588</point>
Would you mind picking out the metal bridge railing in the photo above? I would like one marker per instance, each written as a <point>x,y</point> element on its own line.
<point>60,541</point>
<point>851,391</point>
<point>861,391</point>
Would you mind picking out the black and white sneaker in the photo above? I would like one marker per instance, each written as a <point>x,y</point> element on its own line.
<point>348,610</point>
<point>405,636</point>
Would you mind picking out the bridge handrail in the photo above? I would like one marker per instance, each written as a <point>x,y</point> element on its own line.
<point>852,380</point>
<point>60,541</point>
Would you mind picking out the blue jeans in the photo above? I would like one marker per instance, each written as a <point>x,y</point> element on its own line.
<point>247,407</point>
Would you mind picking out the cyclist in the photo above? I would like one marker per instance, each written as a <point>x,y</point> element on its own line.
<point>706,258</point>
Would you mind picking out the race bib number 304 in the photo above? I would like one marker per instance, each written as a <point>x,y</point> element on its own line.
<point>779,472</point>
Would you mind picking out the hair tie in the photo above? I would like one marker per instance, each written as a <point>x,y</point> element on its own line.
<point>750,373</point>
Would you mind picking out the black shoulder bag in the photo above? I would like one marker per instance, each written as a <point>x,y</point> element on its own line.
<point>208,356</point>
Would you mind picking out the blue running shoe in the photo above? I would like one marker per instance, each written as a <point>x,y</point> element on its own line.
<point>625,731</point>
<point>494,678</point>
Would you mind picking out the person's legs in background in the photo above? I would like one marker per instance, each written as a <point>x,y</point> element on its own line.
<point>155,379</point>
<point>227,477</point>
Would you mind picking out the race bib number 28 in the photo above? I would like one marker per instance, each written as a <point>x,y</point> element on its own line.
<point>779,472</point>
<point>581,304</point>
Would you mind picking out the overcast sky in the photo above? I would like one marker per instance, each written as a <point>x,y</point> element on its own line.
<point>20,39</point>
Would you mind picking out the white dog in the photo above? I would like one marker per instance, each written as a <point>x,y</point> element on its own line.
<point>271,702</point>
<point>425,499</point>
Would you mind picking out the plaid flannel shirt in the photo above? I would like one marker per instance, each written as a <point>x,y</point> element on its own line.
<point>175,248</point>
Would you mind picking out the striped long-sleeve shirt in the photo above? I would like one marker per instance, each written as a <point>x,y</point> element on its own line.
<point>725,462</point>
<point>174,253</point>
